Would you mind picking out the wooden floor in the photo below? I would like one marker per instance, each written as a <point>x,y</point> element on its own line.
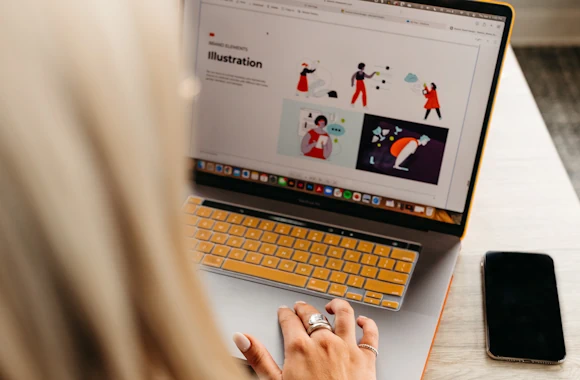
<point>554,78</point>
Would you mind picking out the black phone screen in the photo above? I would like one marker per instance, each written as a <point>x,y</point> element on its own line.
<point>522,307</point>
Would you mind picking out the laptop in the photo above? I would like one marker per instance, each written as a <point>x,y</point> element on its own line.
<point>335,146</point>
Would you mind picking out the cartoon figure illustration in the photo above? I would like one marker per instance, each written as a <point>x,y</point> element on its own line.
<point>432,100</point>
<point>303,81</point>
<point>405,147</point>
<point>317,142</point>
<point>360,76</point>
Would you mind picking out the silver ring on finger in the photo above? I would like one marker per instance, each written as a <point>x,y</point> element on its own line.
<point>318,321</point>
<point>369,347</point>
<point>318,326</point>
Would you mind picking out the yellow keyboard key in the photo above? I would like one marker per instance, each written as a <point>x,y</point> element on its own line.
<point>390,304</point>
<point>191,243</point>
<point>354,296</point>
<point>301,256</point>
<point>336,252</point>
<point>348,243</point>
<point>267,249</point>
<point>321,273</point>
<point>304,269</point>
<point>205,223</point>
<point>266,225</point>
<point>370,272</point>
<point>196,256</point>
<point>254,258</point>
<point>351,268</point>
<point>315,235</point>
<point>271,262</point>
<point>384,287</point>
<point>337,290</point>
<point>365,246</point>
<point>286,241</point>
<point>339,277</point>
<point>195,200</point>
<point>284,252</point>
<point>237,254</point>
<point>369,259</point>
<point>191,220</point>
<point>253,233</point>
<point>238,230</point>
<point>334,264</point>
<point>221,250</point>
<point>219,238</point>
<point>265,273</point>
<point>318,285</point>
<point>403,267</point>
<point>403,254</point>
<point>190,231</point>
<point>221,227</point>
<point>299,232</point>
<point>386,263</point>
<point>235,241</point>
<point>190,209</point>
<point>282,229</point>
<point>235,218</point>
<point>212,261</point>
<point>372,301</point>
<point>382,250</point>
<point>251,245</point>
<point>287,265</point>
<point>220,215</point>
<point>269,237</point>
<point>204,212</point>
<point>302,244</point>
<point>394,277</point>
<point>203,235</point>
<point>251,222</point>
<point>355,281</point>
<point>319,248</point>
<point>374,295</point>
<point>317,260</point>
<point>331,239</point>
<point>353,256</point>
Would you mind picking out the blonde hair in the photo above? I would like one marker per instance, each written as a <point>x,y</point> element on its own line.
<point>94,282</point>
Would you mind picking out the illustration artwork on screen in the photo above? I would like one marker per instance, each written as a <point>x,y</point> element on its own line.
<point>401,149</point>
<point>314,80</point>
<point>429,92</point>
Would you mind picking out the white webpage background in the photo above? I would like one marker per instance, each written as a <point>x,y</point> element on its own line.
<point>240,125</point>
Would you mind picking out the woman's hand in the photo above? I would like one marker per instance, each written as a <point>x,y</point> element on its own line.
<point>322,356</point>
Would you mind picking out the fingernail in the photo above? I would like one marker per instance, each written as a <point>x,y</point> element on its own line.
<point>297,302</point>
<point>362,316</point>
<point>242,342</point>
<point>283,307</point>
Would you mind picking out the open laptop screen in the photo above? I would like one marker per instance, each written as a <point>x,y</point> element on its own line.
<point>375,104</point>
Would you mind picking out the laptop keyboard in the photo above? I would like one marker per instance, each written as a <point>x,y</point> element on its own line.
<point>309,258</point>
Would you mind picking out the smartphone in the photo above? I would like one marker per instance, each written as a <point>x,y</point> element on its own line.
<point>522,309</point>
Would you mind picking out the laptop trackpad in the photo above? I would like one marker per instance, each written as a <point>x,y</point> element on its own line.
<point>244,306</point>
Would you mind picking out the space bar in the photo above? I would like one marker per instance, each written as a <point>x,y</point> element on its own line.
<point>265,273</point>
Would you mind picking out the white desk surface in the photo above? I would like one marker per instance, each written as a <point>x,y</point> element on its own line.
<point>524,201</point>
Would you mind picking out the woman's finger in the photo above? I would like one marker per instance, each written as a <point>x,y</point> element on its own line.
<point>370,333</point>
<point>258,357</point>
<point>291,325</point>
<point>344,320</point>
<point>305,311</point>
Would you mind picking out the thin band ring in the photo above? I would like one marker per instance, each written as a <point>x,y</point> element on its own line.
<point>369,347</point>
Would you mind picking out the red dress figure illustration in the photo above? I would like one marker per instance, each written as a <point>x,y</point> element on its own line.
<point>432,100</point>
<point>303,81</point>
<point>317,143</point>
<point>360,76</point>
